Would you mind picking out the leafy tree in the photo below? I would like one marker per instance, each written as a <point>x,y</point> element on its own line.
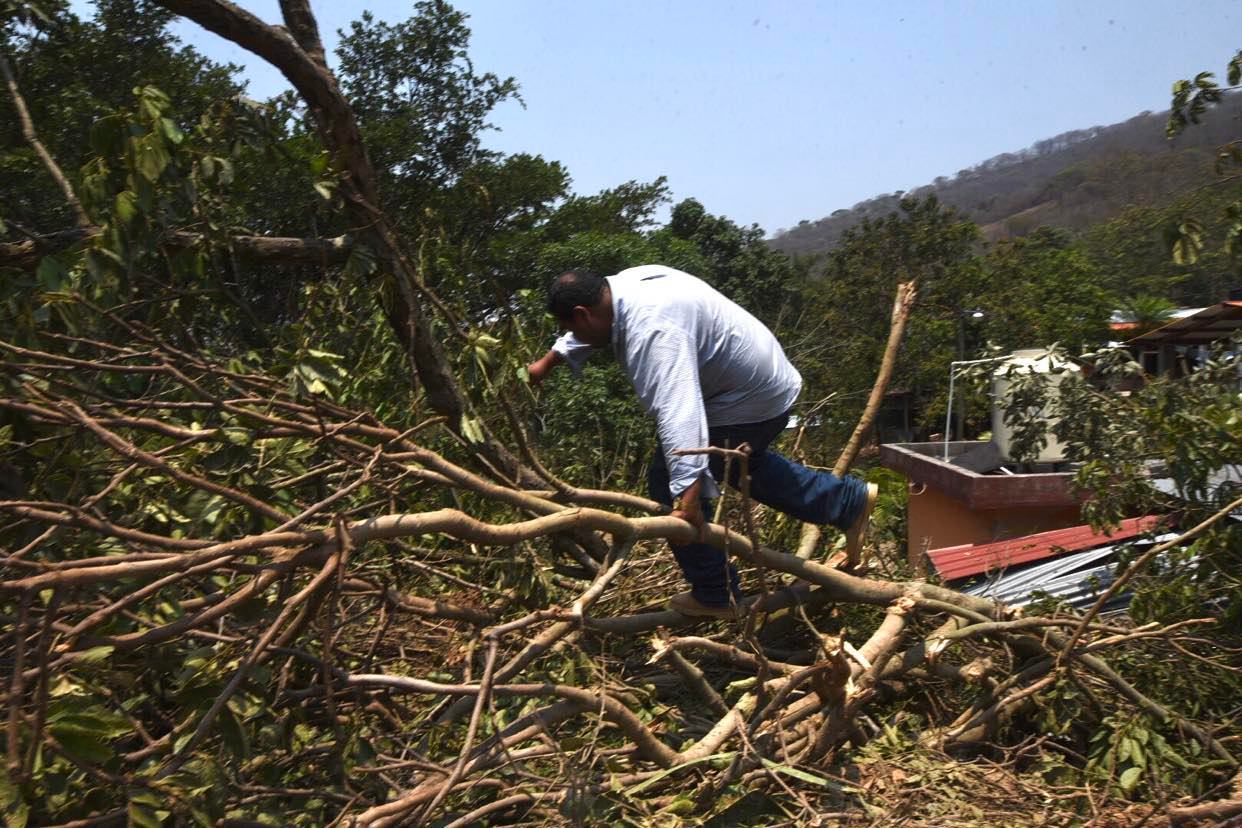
<point>127,44</point>
<point>1147,312</point>
<point>1039,290</point>
<point>627,208</point>
<point>847,309</point>
<point>1168,447</point>
<point>1131,252</point>
<point>421,105</point>
<point>740,264</point>
<point>1191,100</point>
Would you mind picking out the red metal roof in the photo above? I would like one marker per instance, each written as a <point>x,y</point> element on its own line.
<point>974,559</point>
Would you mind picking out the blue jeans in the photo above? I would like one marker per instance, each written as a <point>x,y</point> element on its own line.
<point>810,496</point>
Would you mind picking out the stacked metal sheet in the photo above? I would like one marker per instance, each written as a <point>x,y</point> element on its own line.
<point>1077,580</point>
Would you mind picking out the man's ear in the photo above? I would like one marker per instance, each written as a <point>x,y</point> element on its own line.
<point>580,314</point>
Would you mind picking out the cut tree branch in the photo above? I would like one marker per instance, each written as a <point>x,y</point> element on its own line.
<point>907,292</point>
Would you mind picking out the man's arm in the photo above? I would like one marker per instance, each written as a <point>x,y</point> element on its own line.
<point>541,367</point>
<point>567,350</point>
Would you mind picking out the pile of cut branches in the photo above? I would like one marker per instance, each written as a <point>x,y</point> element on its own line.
<point>227,600</point>
<point>221,602</point>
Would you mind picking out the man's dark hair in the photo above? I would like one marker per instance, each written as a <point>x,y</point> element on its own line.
<point>573,288</point>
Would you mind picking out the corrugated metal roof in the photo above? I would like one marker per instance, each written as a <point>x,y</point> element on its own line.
<point>1078,579</point>
<point>1208,325</point>
<point>954,562</point>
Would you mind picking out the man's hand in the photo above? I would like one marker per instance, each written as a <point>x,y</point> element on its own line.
<point>690,509</point>
<point>540,368</point>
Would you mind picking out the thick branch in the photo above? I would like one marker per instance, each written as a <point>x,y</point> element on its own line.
<point>902,305</point>
<point>301,24</point>
<point>26,255</point>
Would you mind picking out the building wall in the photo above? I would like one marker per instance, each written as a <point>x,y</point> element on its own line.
<point>936,520</point>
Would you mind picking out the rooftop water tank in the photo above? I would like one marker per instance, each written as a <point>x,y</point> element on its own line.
<point>1035,361</point>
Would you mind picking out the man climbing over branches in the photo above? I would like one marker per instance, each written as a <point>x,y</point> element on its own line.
<point>711,375</point>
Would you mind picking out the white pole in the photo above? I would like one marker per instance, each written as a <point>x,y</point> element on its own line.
<point>948,417</point>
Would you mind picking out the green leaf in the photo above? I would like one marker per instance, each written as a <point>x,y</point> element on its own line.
<point>683,805</point>
<point>150,158</point>
<point>233,734</point>
<point>92,722</point>
<point>1232,234</point>
<point>800,775</point>
<point>13,807</point>
<point>152,102</point>
<point>1185,241</point>
<point>52,274</point>
<point>470,429</point>
<point>237,436</point>
<point>95,654</point>
<point>125,207</point>
<point>83,744</point>
<point>182,741</point>
<point>647,783</point>
<point>143,816</point>
<point>171,131</point>
<point>325,189</point>
<point>1129,778</point>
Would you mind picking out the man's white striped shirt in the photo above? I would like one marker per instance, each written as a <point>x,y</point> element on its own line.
<point>696,360</point>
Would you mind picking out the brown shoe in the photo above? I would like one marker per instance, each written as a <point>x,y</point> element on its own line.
<point>687,604</point>
<point>857,533</point>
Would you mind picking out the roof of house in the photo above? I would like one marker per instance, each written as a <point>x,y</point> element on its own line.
<point>1208,325</point>
<point>954,562</point>
<point>1120,321</point>
<point>1076,579</point>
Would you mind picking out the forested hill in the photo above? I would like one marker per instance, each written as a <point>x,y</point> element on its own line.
<point>1071,181</point>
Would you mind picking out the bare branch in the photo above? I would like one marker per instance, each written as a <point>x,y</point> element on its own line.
<point>32,138</point>
<point>26,255</point>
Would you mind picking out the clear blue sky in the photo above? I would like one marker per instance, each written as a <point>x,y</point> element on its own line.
<point>773,112</point>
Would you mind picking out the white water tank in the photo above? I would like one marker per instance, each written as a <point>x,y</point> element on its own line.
<point>1035,361</point>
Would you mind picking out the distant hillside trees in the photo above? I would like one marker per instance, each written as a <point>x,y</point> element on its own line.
<point>1069,181</point>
